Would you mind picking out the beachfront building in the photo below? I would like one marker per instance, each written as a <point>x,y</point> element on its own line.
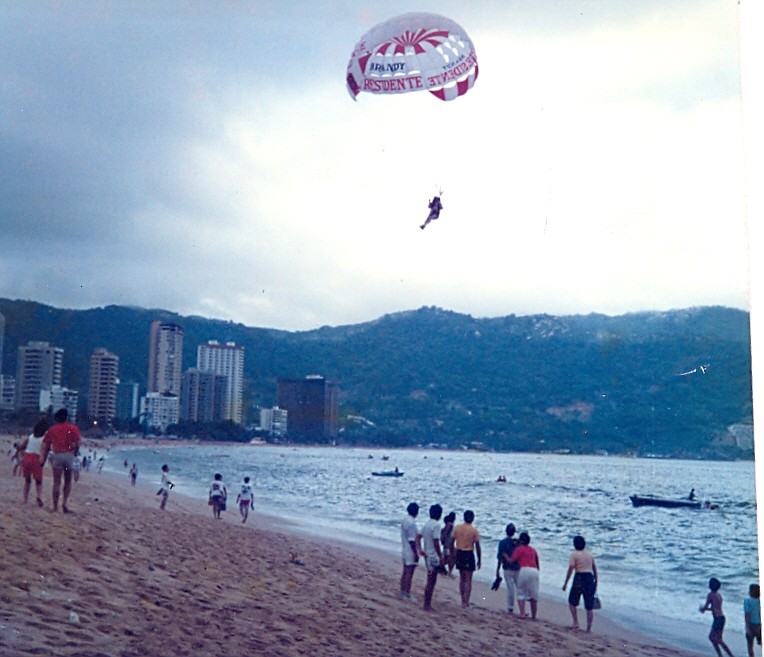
<point>226,360</point>
<point>102,391</point>
<point>38,367</point>
<point>165,357</point>
<point>203,396</point>
<point>2,341</point>
<point>312,407</point>
<point>7,392</point>
<point>273,421</point>
<point>159,410</point>
<point>56,397</point>
<point>127,401</point>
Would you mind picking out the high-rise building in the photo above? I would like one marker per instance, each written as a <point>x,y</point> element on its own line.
<point>56,397</point>
<point>159,410</point>
<point>202,396</point>
<point>312,407</point>
<point>102,392</point>
<point>7,392</point>
<point>38,367</point>
<point>127,401</point>
<point>274,421</point>
<point>2,340</point>
<point>165,357</point>
<point>226,359</point>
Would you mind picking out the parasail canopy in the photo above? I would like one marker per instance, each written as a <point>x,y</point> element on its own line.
<point>413,52</point>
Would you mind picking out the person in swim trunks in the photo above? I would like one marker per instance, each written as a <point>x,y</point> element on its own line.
<point>584,566</point>
<point>467,543</point>
<point>714,603</point>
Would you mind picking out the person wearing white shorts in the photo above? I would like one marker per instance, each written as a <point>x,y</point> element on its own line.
<point>528,577</point>
<point>409,556</point>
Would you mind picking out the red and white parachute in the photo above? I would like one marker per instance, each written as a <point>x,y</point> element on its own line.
<point>413,52</point>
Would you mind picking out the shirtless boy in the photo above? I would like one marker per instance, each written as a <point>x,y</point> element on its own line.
<point>714,603</point>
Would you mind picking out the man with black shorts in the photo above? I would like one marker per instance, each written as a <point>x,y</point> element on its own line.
<point>467,542</point>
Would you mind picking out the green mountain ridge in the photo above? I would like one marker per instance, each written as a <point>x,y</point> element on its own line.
<point>584,383</point>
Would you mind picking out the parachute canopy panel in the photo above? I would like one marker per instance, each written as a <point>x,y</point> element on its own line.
<point>413,52</point>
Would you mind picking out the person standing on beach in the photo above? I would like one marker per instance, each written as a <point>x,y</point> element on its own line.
<point>447,542</point>
<point>76,467</point>
<point>16,459</point>
<point>752,614</point>
<point>528,575</point>
<point>432,553</point>
<point>467,544</point>
<point>245,499</point>
<point>31,463</point>
<point>165,486</point>
<point>714,603</point>
<point>218,495</point>
<point>133,474</point>
<point>63,440</point>
<point>584,582</point>
<point>409,552</point>
<point>507,546</point>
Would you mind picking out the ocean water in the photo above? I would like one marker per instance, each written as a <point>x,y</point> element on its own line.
<point>654,563</point>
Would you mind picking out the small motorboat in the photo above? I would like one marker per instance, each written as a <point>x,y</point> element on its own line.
<point>651,500</point>
<point>388,473</point>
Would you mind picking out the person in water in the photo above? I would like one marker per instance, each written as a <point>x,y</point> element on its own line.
<point>435,207</point>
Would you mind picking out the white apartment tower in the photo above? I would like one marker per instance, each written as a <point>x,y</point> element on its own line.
<point>102,392</point>
<point>226,359</point>
<point>165,357</point>
<point>38,367</point>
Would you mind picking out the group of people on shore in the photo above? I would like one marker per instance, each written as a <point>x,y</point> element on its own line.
<point>751,615</point>
<point>453,546</point>
<point>60,444</point>
<point>217,496</point>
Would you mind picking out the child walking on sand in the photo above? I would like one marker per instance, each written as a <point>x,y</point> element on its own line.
<point>245,499</point>
<point>166,485</point>
<point>218,494</point>
<point>714,603</point>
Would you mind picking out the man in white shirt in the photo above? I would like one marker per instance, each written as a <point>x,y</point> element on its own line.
<point>409,551</point>
<point>431,552</point>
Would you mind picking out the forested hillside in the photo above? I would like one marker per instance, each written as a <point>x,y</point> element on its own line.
<point>627,384</point>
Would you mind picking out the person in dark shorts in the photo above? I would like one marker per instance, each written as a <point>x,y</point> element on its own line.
<point>714,603</point>
<point>467,544</point>
<point>584,566</point>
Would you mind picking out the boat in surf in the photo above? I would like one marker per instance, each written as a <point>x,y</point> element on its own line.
<point>388,473</point>
<point>651,500</point>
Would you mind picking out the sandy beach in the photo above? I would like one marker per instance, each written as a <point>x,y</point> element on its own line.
<point>120,578</point>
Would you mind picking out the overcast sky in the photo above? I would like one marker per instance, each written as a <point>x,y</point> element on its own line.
<point>206,158</point>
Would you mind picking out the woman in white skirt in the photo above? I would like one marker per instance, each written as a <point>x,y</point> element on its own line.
<point>528,576</point>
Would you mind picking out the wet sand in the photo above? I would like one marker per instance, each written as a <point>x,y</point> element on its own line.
<point>120,578</point>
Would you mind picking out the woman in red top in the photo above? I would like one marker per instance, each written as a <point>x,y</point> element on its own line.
<point>62,440</point>
<point>528,576</point>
